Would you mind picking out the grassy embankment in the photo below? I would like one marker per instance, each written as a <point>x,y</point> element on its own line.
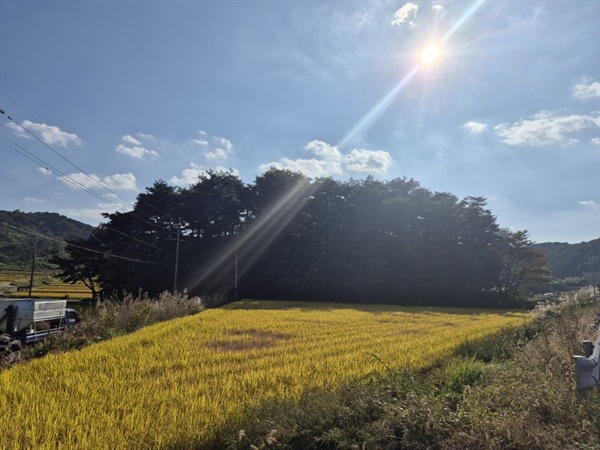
<point>191,382</point>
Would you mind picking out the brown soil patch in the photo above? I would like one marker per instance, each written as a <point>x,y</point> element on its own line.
<point>242,340</point>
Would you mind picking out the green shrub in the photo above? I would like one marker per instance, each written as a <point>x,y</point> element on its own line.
<point>460,372</point>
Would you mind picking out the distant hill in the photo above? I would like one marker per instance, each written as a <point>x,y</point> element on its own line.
<point>571,260</point>
<point>16,246</point>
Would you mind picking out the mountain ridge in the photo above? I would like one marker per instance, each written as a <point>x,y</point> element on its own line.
<point>20,231</point>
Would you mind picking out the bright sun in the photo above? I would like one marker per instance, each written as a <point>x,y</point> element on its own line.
<point>430,54</point>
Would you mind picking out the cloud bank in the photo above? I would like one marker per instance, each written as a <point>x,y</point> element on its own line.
<point>190,175</point>
<point>48,134</point>
<point>134,148</point>
<point>119,181</point>
<point>587,89</point>
<point>217,148</point>
<point>475,127</point>
<point>328,160</point>
<point>406,14</point>
<point>545,128</point>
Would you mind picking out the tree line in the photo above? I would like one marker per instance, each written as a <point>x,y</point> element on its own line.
<point>285,236</point>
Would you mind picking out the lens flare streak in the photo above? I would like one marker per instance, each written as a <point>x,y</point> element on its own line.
<point>379,108</point>
<point>466,16</point>
<point>255,240</point>
<point>376,112</point>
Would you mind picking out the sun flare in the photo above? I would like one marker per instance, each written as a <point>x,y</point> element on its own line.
<point>430,54</point>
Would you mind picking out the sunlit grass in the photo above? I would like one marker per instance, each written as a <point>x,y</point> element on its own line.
<point>175,384</point>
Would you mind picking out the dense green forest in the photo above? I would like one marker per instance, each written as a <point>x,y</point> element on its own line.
<point>288,237</point>
<point>572,260</point>
<point>18,232</point>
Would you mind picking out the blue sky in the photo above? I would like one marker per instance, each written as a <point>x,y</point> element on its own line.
<point>131,92</point>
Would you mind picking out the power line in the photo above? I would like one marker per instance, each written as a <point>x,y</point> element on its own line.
<point>37,120</point>
<point>33,190</point>
<point>19,149</point>
<point>106,226</point>
<point>81,247</point>
<point>83,171</point>
<point>27,154</point>
<point>62,157</point>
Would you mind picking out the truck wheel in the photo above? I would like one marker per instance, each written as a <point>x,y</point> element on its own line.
<point>15,346</point>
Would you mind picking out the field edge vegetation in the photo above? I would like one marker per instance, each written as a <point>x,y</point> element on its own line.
<point>513,389</point>
<point>222,363</point>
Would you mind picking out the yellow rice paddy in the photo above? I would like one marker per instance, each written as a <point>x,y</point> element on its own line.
<point>175,384</point>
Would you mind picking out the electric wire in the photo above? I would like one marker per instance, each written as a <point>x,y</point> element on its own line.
<point>58,203</point>
<point>27,113</point>
<point>79,185</point>
<point>81,247</point>
<point>63,157</point>
<point>3,112</point>
<point>19,149</point>
<point>27,154</point>
<point>35,159</point>
<point>34,191</point>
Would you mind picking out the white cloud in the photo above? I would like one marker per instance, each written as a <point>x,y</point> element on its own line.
<point>191,174</point>
<point>368,161</point>
<point>222,150</point>
<point>136,152</point>
<point>201,142</point>
<point>439,11</point>
<point>225,143</point>
<point>217,153</point>
<point>324,150</point>
<point>596,141</point>
<point>545,128</point>
<point>407,13</point>
<point>586,89</point>
<point>312,168</point>
<point>230,170</point>
<point>48,134</point>
<point>123,181</point>
<point>128,139</point>
<point>329,161</point>
<point>135,148</point>
<point>475,127</point>
<point>588,203</point>
<point>92,213</point>
<point>33,200</point>
<point>44,170</point>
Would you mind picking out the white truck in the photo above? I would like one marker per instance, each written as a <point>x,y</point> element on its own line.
<point>30,320</point>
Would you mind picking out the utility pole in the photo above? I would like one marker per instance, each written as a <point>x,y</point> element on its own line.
<point>32,266</point>
<point>236,275</point>
<point>176,260</point>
